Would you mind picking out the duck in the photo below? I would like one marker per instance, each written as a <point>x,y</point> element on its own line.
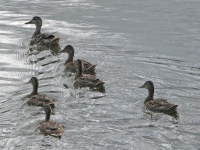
<point>37,99</point>
<point>158,105</point>
<point>38,38</point>
<point>87,80</point>
<point>48,127</point>
<point>71,65</point>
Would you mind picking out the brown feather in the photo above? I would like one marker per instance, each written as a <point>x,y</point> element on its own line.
<point>40,100</point>
<point>51,128</point>
<point>48,127</point>
<point>158,105</point>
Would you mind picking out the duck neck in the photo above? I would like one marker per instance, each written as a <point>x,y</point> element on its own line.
<point>79,70</point>
<point>70,58</point>
<point>37,30</point>
<point>35,89</point>
<point>47,117</point>
<point>150,96</point>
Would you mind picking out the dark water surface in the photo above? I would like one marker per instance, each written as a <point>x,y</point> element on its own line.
<point>131,41</point>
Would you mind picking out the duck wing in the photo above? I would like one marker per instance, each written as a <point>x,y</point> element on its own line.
<point>51,128</point>
<point>94,80</point>
<point>39,100</point>
<point>46,38</point>
<point>88,80</point>
<point>88,67</point>
<point>47,35</point>
<point>71,66</point>
<point>160,105</point>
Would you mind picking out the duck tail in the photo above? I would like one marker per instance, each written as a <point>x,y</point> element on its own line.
<point>55,40</point>
<point>100,83</point>
<point>52,105</point>
<point>173,108</point>
<point>173,112</point>
<point>91,68</point>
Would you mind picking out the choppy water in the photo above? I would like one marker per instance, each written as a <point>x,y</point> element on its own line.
<point>131,41</point>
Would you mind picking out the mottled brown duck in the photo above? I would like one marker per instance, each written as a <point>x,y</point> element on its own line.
<point>37,99</point>
<point>87,80</point>
<point>158,105</point>
<point>48,127</point>
<point>39,38</point>
<point>71,65</point>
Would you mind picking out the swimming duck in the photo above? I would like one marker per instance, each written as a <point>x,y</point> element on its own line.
<point>158,105</point>
<point>87,80</point>
<point>37,99</point>
<point>71,65</point>
<point>48,127</point>
<point>39,38</point>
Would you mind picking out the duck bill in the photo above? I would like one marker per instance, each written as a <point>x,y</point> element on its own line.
<point>142,86</point>
<point>28,82</point>
<point>62,51</point>
<point>30,22</point>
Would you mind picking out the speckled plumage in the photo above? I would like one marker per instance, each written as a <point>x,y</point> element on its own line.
<point>48,127</point>
<point>37,99</point>
<point>87,80</point>
<point>39,38</point>
<point>158,105</point>
<point>71,65</point>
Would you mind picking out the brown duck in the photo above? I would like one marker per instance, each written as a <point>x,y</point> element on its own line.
<point>71,65</point>
<point>87,80</point>
<point>48,127</point>
<point>42,38</point>
<point>158,105</point>
<point>37,99</point>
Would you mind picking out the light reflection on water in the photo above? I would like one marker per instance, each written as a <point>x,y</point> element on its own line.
<point>131,42</point>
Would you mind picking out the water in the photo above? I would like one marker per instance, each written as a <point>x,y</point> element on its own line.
<point>131,42</point>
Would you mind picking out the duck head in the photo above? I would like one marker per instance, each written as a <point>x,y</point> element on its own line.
<point>147,85</point>
<point>35,20</point>
<point>68,49</point>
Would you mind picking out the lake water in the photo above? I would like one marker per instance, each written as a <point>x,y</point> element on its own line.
<point>131,41</point>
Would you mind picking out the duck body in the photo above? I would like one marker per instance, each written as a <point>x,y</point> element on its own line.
<point>45,39</point>
<point>158,105</point>
<point>88,68</point>
<point>51,128</point>
<point>87,80</point>
<point>38,38</point>
<point>37,99</point>
<point>161,106</point>
<point>48,127</point>
<point>71,65</point>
